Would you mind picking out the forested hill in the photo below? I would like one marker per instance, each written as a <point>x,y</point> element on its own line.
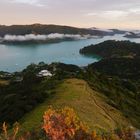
<point>47,29</point>
<point>117,75</point>
<point>118,79</point>
<point>125,68</point>
<point>112,48</point>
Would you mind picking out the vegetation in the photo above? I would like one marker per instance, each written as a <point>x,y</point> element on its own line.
<point>124,68</point>
<point>4,82</point>
<point>112,99</point>
<point>25,90</point>
<point>31,42</point>
<point>112,48</point>
<point>121,94</point>
<point>87,103</point>
<point>45,29</point>
<point>117,75</point>
<point>64,124</point>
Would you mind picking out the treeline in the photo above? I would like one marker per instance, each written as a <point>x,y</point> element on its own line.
<point>124,68</point>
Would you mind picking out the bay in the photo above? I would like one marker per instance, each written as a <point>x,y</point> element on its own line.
<point>17,57</point>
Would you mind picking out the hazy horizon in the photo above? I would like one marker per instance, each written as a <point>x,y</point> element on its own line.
<point>120,14</point>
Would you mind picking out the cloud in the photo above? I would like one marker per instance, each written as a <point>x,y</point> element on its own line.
<point>29,37</point>
<point>135,10</point>
<point>80,13</point>
<point>114,14</point>
<point>108,14</point>
<point>29,2</point>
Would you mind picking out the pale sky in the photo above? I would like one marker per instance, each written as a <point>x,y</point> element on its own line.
<point>80,13</point>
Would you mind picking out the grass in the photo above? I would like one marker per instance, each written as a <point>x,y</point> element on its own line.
<point>90,106</point>
<point>4,82</point>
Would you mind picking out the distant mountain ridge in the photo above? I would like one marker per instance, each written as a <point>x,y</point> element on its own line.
<point>48,29</point>
<point>44,29</point>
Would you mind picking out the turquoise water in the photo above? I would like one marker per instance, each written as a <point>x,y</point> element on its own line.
<point>17,57</point>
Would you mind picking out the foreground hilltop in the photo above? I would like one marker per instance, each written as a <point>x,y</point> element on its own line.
<point>89,104</point>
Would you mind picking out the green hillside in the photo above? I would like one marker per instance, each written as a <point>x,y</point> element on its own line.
<point>90,106</point>
<point>113,49</point>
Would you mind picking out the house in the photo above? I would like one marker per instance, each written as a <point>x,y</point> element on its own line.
<point>44,73</point>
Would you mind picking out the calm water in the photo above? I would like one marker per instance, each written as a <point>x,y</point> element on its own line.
<point>17,57</point>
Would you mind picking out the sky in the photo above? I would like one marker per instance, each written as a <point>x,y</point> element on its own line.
<point>123,14</point>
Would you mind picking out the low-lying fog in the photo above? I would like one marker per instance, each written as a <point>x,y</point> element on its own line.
<point>29,37</point>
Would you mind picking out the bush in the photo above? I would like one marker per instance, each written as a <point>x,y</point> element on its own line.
<point>63,124</point>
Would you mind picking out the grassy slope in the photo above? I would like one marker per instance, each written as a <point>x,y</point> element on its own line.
<point>88,104</point>
<point>4,82</point>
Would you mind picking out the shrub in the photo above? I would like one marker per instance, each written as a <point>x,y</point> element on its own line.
<point>63,124</point>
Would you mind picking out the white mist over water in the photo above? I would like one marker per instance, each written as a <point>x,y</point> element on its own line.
<point>29,37</point>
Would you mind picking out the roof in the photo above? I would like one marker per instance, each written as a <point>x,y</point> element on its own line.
<point>44,73</point>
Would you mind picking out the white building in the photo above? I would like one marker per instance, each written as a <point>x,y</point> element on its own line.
<point>44,73</point>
